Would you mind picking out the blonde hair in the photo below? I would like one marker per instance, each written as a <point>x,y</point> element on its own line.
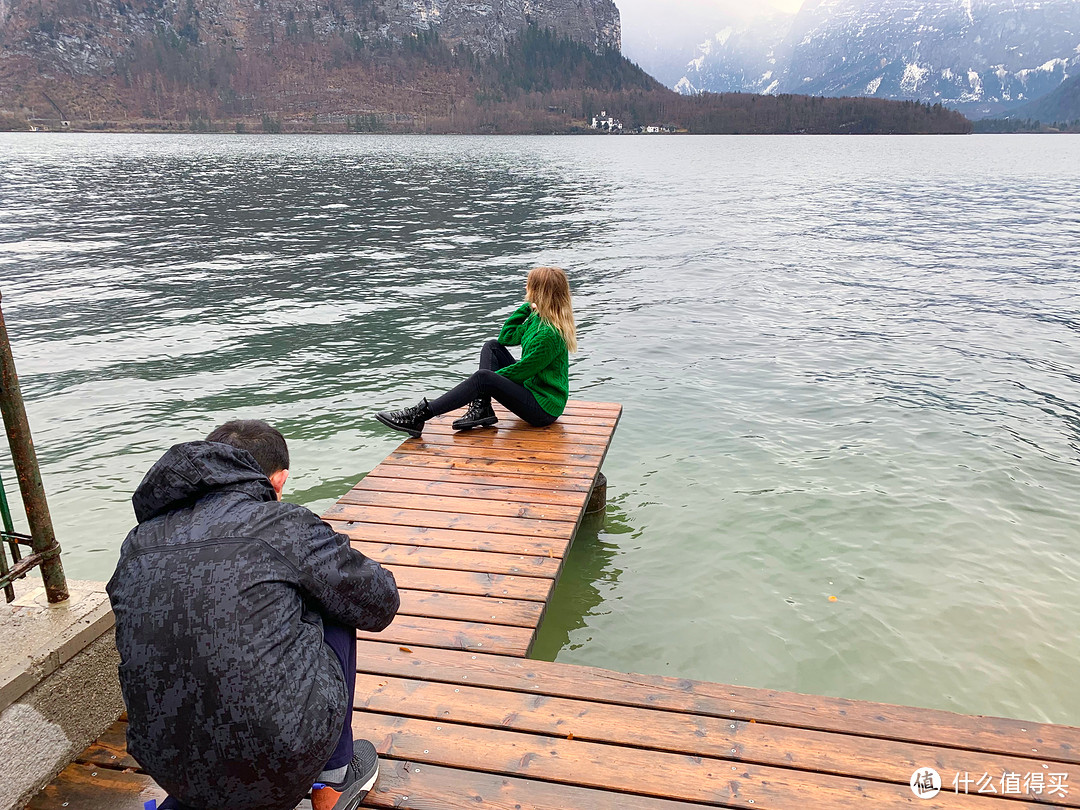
<point>549,291</point>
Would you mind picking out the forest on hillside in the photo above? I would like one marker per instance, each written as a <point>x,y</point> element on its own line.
<point>1000,126</point>
<point>545,83</point>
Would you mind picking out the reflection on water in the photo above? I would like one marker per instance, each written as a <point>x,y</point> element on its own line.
<point>590,575</point>
<point>848,366</point>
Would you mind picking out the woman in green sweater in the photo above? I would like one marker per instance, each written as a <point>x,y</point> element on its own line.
<point>535,387</point>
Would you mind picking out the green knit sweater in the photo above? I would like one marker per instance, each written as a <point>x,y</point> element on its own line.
<point>544,367</point>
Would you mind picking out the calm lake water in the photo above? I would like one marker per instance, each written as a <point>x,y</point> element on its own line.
<point>849,366</point>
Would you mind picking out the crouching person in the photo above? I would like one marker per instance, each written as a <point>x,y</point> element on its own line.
<point>236,619</point>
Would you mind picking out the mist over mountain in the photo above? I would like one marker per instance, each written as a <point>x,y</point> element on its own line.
<point>664,43</point>
<point>1061,106</point>
<point>982,57</point>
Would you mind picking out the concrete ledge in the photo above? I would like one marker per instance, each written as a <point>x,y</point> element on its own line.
<point>58,684</point>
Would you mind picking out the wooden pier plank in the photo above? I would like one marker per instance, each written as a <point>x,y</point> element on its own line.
<point>831,753</point>
<point>508,481</point>
<point>444,501</point>
<point>522,469</point>
<point>91,787</point>
<point>515,427</point>
<point>406,784</point>
<point>419,631</point>
<point>631,770</point>
<point>473,583</point>
<point>475,450</point>
<point>110,749</point>
<point>495,439</point>
<point>459,607</point>
<point>435,538</point>
<point>490,562</point>
<point>695,735</point>
<point>455,489</point>
<point>459,521</point>
<point>401,784</point>
<point>1053,743</point>
<point>457,560</point>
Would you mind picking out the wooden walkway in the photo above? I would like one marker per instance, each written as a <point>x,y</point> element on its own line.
<point>475,527</point>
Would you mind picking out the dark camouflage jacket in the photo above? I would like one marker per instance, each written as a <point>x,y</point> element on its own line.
<point>234,701</point>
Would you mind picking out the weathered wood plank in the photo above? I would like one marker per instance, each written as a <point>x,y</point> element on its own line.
<point>402,786</point>
<point>90,787</point>
<point>455,560</point>
<point>474,583</point>
<point>579,419</point>
<point>417,631</point>
<point>885,721</point>
<point>486,437</point>
<point>477,451</point>
<point>573,404</point>
<point>487,465</point>
<point>110,749</point>
<point>823,752</point>
<point>519,429</point>
<point>488,478</point>
<point>639,771</point>
<point>514,544</point>
<point>459,607</point>
<point>457,521</point>
<point>405,785</point>
<point>494,500</point>
<point>606,421</point>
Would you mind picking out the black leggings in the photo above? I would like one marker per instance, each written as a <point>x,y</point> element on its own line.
<point>486,384</point>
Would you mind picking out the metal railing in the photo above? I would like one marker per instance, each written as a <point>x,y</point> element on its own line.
<point>44,550</point>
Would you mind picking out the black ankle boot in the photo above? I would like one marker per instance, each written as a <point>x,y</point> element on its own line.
<point>409,420</point>
<point>480,414</point>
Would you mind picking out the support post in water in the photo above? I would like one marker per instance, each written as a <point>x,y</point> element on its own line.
<point>598,496</point>
<point>44,545</point>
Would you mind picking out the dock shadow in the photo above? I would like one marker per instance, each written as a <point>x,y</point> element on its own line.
<point>588,575</point>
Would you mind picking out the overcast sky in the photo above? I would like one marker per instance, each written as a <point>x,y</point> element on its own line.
<point>643,10</point>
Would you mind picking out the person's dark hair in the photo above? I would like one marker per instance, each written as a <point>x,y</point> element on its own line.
<point>258,438</point>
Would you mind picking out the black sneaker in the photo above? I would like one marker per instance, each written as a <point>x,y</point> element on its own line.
<point>480,414</point>
<point>408,420</point>
<point>359,779</point>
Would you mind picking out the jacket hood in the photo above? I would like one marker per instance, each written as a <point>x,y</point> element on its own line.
<point>192,470</point>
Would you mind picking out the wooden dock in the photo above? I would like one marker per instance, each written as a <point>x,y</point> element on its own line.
<point>475,527</point>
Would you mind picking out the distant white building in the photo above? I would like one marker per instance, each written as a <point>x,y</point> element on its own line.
<point>606,122</point>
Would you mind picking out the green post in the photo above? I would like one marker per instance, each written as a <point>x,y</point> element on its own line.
<point>26,468</point>
<point>9,529</point>
<point>8,523</point>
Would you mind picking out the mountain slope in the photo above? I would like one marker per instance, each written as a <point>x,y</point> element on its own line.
<point>88,36</point>
<point>978,56</point>
<point>741,57</point>
<point>1060,106</point>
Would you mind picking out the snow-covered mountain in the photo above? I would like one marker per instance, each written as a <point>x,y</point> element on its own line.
<point>744,56</point>
<point>979,56</point>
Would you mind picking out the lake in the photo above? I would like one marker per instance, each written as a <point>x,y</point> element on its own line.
<point>850,367</point>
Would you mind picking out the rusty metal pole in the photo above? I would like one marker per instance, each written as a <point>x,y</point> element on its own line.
<point>26,468</point>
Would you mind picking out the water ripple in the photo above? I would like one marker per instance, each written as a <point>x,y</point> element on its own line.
<point>849,368</point>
